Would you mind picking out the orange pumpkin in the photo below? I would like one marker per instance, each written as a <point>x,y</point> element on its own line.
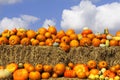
<point>109,74</point>
<point>73,37</point>
<point>14,39</point>
<point>42,43</point>
<point>113,43</point>
<point>85,42</point>
<point>59,68</point>
<point>71,65</point>
<point>29,67</point>
<point>21,34</point>
<point>118,72</point>
<point>40,37</point>
<point>39,67</point>
<point>49,42</point>
<point>45,75</point>
<point>31,34</point>
<point>57,40</point>
<point>35,42</point>
<point>94,71</point>
<point>86,32</point>
<point>91,64</point>
<point>3,40</point>
<point>65,39</point>
<point>12,67</point>
<point>69,32</point>
<point>81,75</point>
<point>25,41</point>
<point>113,69</point>
<point>42,30</point>
<point>118,33</point>
<point>64,46</point>
<point>103,41</point>
<point>102,64</point>
<point>20,74</point>
<point>74,43</point>
<point>103,36</point>
<point>70,74</point>
<point>91,36</point>
<point>54,75</point>
<point>60,34</point>
<point>47,68</point>
<point>48,35</point>
<point>52,29</point>
<point>34,75</point>
<point>96,42</point>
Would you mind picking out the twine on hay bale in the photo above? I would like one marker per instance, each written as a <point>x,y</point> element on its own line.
<point>53,55</point>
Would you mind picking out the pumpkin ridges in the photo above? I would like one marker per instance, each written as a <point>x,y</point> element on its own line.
<point>14,39</point>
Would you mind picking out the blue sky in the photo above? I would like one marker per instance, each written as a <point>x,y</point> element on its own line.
<point>44,12</point>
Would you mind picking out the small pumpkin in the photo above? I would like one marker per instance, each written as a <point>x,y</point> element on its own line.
<point>94,71</point>
<point>64,46</point>
<point>109,74</point>
<point>86,31</point>
<point>54,75</point>
<point>70,74</point>
<point>102,64</point>
<point>21,34</point>
<point>14,40</point>
<point>74,43</point>
<point>73,37</point>
<point>91,36</point>
<point>65,39</point>
<point>25,41</point>
<point>96,42</point>
<point>42,30</point>
<point>49,42</point>
<point>12,67</point>
<point>40,37</point>
<point>91,64</point>
<point>47,68</point>
<point>59,68</point>
<point>60,34</point>
<point>52,29</point>
<point>118,33</point>
<point>34,75</point>
<point>41,43</point>
<point>29,67</point>
<point>45,75</point>
<point>39,67</point>
<point>113,43</point>
<point>3,40</point>
<point>48,35</point>
<point>31,34</point>
<point>85,42</point>
<point>35,42</point>
<point>69,32</point>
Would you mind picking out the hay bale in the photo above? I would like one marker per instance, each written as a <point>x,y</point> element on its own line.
<point>53,55</point>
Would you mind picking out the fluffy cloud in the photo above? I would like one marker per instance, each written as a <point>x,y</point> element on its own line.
<point>9,1</point>
<point>95,17</point>
<point>17,22</point>
<point>48,22</point>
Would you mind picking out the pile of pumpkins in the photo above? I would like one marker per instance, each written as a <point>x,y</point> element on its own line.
<point>91,70</point>
<point>63,39</point>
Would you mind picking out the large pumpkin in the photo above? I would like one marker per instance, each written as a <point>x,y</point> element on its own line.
<point>96,42</point>
<point>25,41</point>
<point>64,46</point>
<point>20,74</point>
<point>52,29</point>
<point>65,39</point>
<point>3,40</point>
<point>60,34</point>
<point>69,32</point>
<point>14,39</point>
<point>42,30</point>
<point>85,42</point>
<point>34,75</point>
<point>31,34</point>
<point>74,43</point>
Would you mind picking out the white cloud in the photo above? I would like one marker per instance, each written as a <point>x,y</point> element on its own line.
<point>23,21</point>
<point>9,1</point>
<point>49,22</point>
<point>95,17</point>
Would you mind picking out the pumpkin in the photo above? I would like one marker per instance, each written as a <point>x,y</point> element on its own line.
<point>52,29</point>
<point>69,32</point>
<point>102,64</point>
<point>81,75</point>
<point>60,34</point>
<point>54,75</point>
<point>79,36</point>
<point>118,72</point>
<point>59,69</point>
<point>94,71</point>
<point>25,41</point>
<point>48,35</point>
<point>42,30</point>
<point>91,64</point>
<point>3,40</point>
<point>64,46</point>
<point>71,65</point>
<point>53,36</point>
<point>20,74</point>
<point>49,42</point>
<point>14,40</point>
<point>113,69</point>
<point>13,31</point>
<point>57,40</point>
<point>12,67</point>
<point>70,74</point>
<point>35,42</point>
<point>109,74</point>
<point>96,42</point>
<point>39,67</point>
<point>6,33</point>
<point>34,75</point>
<point>86,32</point>
<point>103,36</point>
<point>65,39</point>
<point>79,68</point>
<point>85,42</point>
<point>118,33</point>
<point>45,75</point>
<point>91,36</point>
<point>29,67</point>
<point>21,34</point>
<point>73,37</point>
<point>117,66</point>
<point>40,37</point>
<point>102,41</point>
<point>113,43</point>
<point>74,43</point>
<point>47,68</point>
<point>42,43</point>
<point>31,34</point>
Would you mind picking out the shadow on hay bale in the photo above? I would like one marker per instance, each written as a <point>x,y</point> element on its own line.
<point>54,55</point>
